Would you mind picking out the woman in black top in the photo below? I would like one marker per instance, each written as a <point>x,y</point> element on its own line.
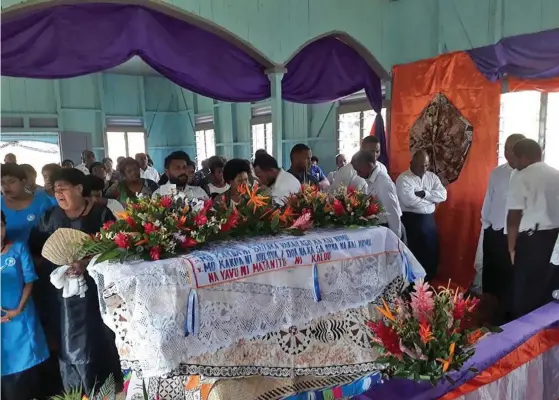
<point>87,352</point>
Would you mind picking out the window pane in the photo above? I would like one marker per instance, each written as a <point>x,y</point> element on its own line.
<point>349,133</point>
<point>210,142</point>
<point>205,145</point>
<point>116,144</point>
<point>269,139</point>
<point>258,137</point>
<point>552,131</point>
<point>34,153</point>
<point>369,119</point>
<point>136,143</point>
<point>520,113</point>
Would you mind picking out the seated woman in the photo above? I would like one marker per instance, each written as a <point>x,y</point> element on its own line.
<point>95,186</point>
<point>132,183</point>
<point>24,346</point>
<point>22,209</point>
<point>47,171</point>
<point>87,352</point>
<point>236,172</point>
<point>99,170</point>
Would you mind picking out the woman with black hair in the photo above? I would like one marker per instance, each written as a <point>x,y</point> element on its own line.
<point>236,172</point>
<point>87,353</point>
<point>22,209</point>
<point>132,182</point>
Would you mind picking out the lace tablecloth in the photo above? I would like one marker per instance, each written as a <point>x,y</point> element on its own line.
<point>146,303</point>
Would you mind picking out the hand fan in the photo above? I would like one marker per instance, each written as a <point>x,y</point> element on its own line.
<point>64,246</point>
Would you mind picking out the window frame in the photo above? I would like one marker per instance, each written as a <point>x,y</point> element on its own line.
<point>203,124</point>
<point>261,115</point>
<point>125,130</point>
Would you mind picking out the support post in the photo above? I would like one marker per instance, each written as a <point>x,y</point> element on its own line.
<point>276,75</point>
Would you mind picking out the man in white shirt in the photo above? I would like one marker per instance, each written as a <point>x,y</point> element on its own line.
<point>147,172</point>
<point>355,173</point>
<point>419,191</point>
<point>496,259</point>
<point>532,228</point>
<point>372,144</point>
<point>340,162</point>
<point>381,186</point>
<point>180,171</point>
<point>88,158</point>
<point>281,183</point>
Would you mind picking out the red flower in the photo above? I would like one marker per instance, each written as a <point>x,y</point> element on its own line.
<point>350,189</point>
<point>149,228</point>
<point>338,208</point>
<point>122,240</point>
<point>372,209</point>
<point>387,336</point>
<point>107,225</point>
<point>130,221</point>
<point>200,218</point>
<point>188,242</point>
<point>155,253</point>
<point>232,221</point>
<point>208,203</point>
<point>136,206</point>
<point>165,202</point>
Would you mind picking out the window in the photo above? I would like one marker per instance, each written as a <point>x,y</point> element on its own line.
<point>205,138</point>
<point>124,143</point>
<point>355,121</point>
<point>522,112</point>
<point>261,123</point>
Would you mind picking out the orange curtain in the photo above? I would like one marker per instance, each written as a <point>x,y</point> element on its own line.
<point>541,85</point>
<point>458,219</point>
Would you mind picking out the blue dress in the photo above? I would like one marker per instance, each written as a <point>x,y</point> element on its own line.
<point>20,222</point>
<point>24,344</point>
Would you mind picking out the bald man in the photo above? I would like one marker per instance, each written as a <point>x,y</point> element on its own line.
<point>496,259</point>
<point>419,191</point>
<point>532,228</point>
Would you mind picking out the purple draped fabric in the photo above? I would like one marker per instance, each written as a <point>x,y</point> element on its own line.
<point>488,352</point>
<point>328,69</point>
<point>532,56</point>
<point>71,40</point>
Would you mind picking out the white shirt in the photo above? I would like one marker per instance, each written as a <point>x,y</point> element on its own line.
<point>408,183</point>
<point>494,210</point>
<point>190,192</point>
<point>218,190</point>
<point>535,191</point>
<point>285,185</point>
<point>346,177</point>
<point>382,167</point>
<point>150,173</point>
<point>381,186</point>
<point>83,168</point>
<point>114,206</point>
<point>331,176</point>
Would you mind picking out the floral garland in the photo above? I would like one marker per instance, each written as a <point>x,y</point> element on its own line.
<point>157,227</point>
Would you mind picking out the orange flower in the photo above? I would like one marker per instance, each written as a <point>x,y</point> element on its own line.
<point>182,220</point>
<point>288,214</point>
<point>474,336</point>
<point>446,363</point>
<point>425,332</point>
<point>243,189</point>
<point>257,200</point>
<point>122,215</point>
<point>386,311</point>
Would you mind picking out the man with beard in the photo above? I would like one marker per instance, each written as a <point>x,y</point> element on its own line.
<point>180,171</point>
<point>281,183</point>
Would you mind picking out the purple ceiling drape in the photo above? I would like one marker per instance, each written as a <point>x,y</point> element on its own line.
<point>532,56</point>
<point>328,69</point>
<point>71,40</point>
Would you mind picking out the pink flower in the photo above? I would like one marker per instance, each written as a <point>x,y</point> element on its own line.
<point>165,202</point>
<point>107,225</point>
<point>130,221</point>
<point>304,222</point>
<point>200,218</point>
<point>155,253</point>
<point>422,302</point>
<point>350,189</point>
<point>372,209</point>
<point>188,242</point>
<point>122,240</point>
<point>149,228</point>
<point>338,208</point>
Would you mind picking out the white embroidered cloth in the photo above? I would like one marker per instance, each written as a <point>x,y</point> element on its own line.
<point>70,286</point>
<point>156,296</point>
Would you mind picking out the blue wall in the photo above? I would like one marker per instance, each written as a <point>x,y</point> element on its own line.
<point>393,31</point>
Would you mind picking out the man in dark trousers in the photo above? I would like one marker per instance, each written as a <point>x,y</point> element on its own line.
<point>532,228</point>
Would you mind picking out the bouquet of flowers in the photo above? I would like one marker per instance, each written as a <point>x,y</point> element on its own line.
<point>153,228</point>
<point>309,200</point>
<point>348,207</point>
<point>427,336</point>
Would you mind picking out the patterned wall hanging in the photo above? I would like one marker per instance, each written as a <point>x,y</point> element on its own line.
<point>443,132</point>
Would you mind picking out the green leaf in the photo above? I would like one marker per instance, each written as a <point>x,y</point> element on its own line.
<point>108,255</point>
<point>275,222</point>
<point>144,390</point>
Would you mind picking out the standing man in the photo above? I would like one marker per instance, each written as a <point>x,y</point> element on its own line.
<point>340,162</point>
<point>532,228</point>
<point>371,143</point>
<point>88,158</point>
<point>300,157</point>
<point>496,259</point>
<point>146,171</point>
<point>356,172</point>
<point>419,191</point>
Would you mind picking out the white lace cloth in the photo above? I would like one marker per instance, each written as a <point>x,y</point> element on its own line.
<point>156,295</point>
<point>71,286</point>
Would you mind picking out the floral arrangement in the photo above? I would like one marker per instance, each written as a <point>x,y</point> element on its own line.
<point>428,335</point>
<point>157,227</point>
